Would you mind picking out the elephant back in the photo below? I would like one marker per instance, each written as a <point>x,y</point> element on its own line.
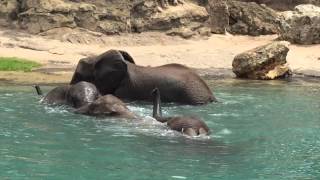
<point>176,82</point>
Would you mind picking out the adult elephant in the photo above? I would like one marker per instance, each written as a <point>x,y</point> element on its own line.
<point>115,72</point>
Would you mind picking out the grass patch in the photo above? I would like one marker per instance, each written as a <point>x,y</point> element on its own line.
<point>17,64</point>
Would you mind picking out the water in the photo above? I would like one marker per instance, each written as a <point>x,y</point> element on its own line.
<point>261,130</point>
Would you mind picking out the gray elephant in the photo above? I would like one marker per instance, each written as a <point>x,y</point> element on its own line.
<point>75,95</point>
<point>115,72</point>
<point>191,126</point>
<point>86,99</point>
<point>107,105</point>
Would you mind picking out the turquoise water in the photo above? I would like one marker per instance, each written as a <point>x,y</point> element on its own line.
<point>261,130</point>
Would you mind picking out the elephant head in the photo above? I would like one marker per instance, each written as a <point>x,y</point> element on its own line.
<point>81,94</point>
<point>106,70</point>
<point>107,105</point>
<point>191,126</point>
<point>75,95</point>
<point>114,72</point>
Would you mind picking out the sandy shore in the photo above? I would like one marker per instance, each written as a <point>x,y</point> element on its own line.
<point>211,56</point>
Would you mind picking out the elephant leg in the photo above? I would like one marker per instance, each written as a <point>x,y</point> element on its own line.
<point>189,132</point>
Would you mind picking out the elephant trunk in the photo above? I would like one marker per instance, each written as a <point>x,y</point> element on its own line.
<point>38,89</point>
<point>156,104</point>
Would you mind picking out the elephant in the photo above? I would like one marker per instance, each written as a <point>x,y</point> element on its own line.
<point>191,126</point>
<point>76,95</point>
<point>86,99</point>
<point>82,93</point>
<point>107,105</point>
<point>57,96</point>
<point>115,72</point>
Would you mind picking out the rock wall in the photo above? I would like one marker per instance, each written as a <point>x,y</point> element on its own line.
<point>105,16</point>
<point>302,26</point>
<point>252,19</point>
<point>284,5</point>
<point>194,17</point>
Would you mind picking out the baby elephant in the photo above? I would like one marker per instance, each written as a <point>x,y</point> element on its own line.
<point>86,99</point>
<point>75,95</point>
<point>190,126</point>
<point>107,105</point>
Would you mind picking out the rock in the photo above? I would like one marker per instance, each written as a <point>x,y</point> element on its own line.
<point>264,62</point>
<point>252,19</point>
<point>302,26</point>
<point>218,16</point>
<point>284,5</point>
<point>75,36</point>
<point>182,32</point>
<point>180,20</point>
<point>8,11</point>
<point>104,16</point>
<point>40,16</point>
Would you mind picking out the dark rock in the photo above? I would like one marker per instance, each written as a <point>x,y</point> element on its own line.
<point>146,16</point>
<point>284,5</point>
<point>218,16</point>
<point>253,19</point>
<point>8,11</point>
<point>302,25</point>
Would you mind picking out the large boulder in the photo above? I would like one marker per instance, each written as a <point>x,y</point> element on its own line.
<point>264,62</point>
<point>252,19</point>
<point>302,26</point>
<point>284,5</point>
<point>8,11</point>
<point>184,20</point>
<point>103,16</point>
<point>218,16</point>
<point>42,15</point>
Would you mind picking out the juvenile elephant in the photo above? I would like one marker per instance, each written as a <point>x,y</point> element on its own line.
<point>85,98</point>
<point>107,105</point>
<point>75,95</point>
<point>114,72</point>
<point>191,126</point>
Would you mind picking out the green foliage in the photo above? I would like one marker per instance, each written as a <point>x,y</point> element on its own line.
<point>17,64</point>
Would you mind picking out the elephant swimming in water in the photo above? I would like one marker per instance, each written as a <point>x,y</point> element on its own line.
<point>107,105</point>
<point>86,99</point>
<point>75,95</point>
<point>115,72</point>
<point>190,126</point>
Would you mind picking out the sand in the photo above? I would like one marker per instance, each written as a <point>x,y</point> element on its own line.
<point>213,54</point>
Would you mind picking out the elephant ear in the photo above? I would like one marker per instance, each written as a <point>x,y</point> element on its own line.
<point>84,71</point>
<point>126,56</point>
<point>109,70</point>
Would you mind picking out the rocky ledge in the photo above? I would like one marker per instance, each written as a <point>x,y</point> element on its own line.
<point>189,19</point>
<point>302,26</point>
